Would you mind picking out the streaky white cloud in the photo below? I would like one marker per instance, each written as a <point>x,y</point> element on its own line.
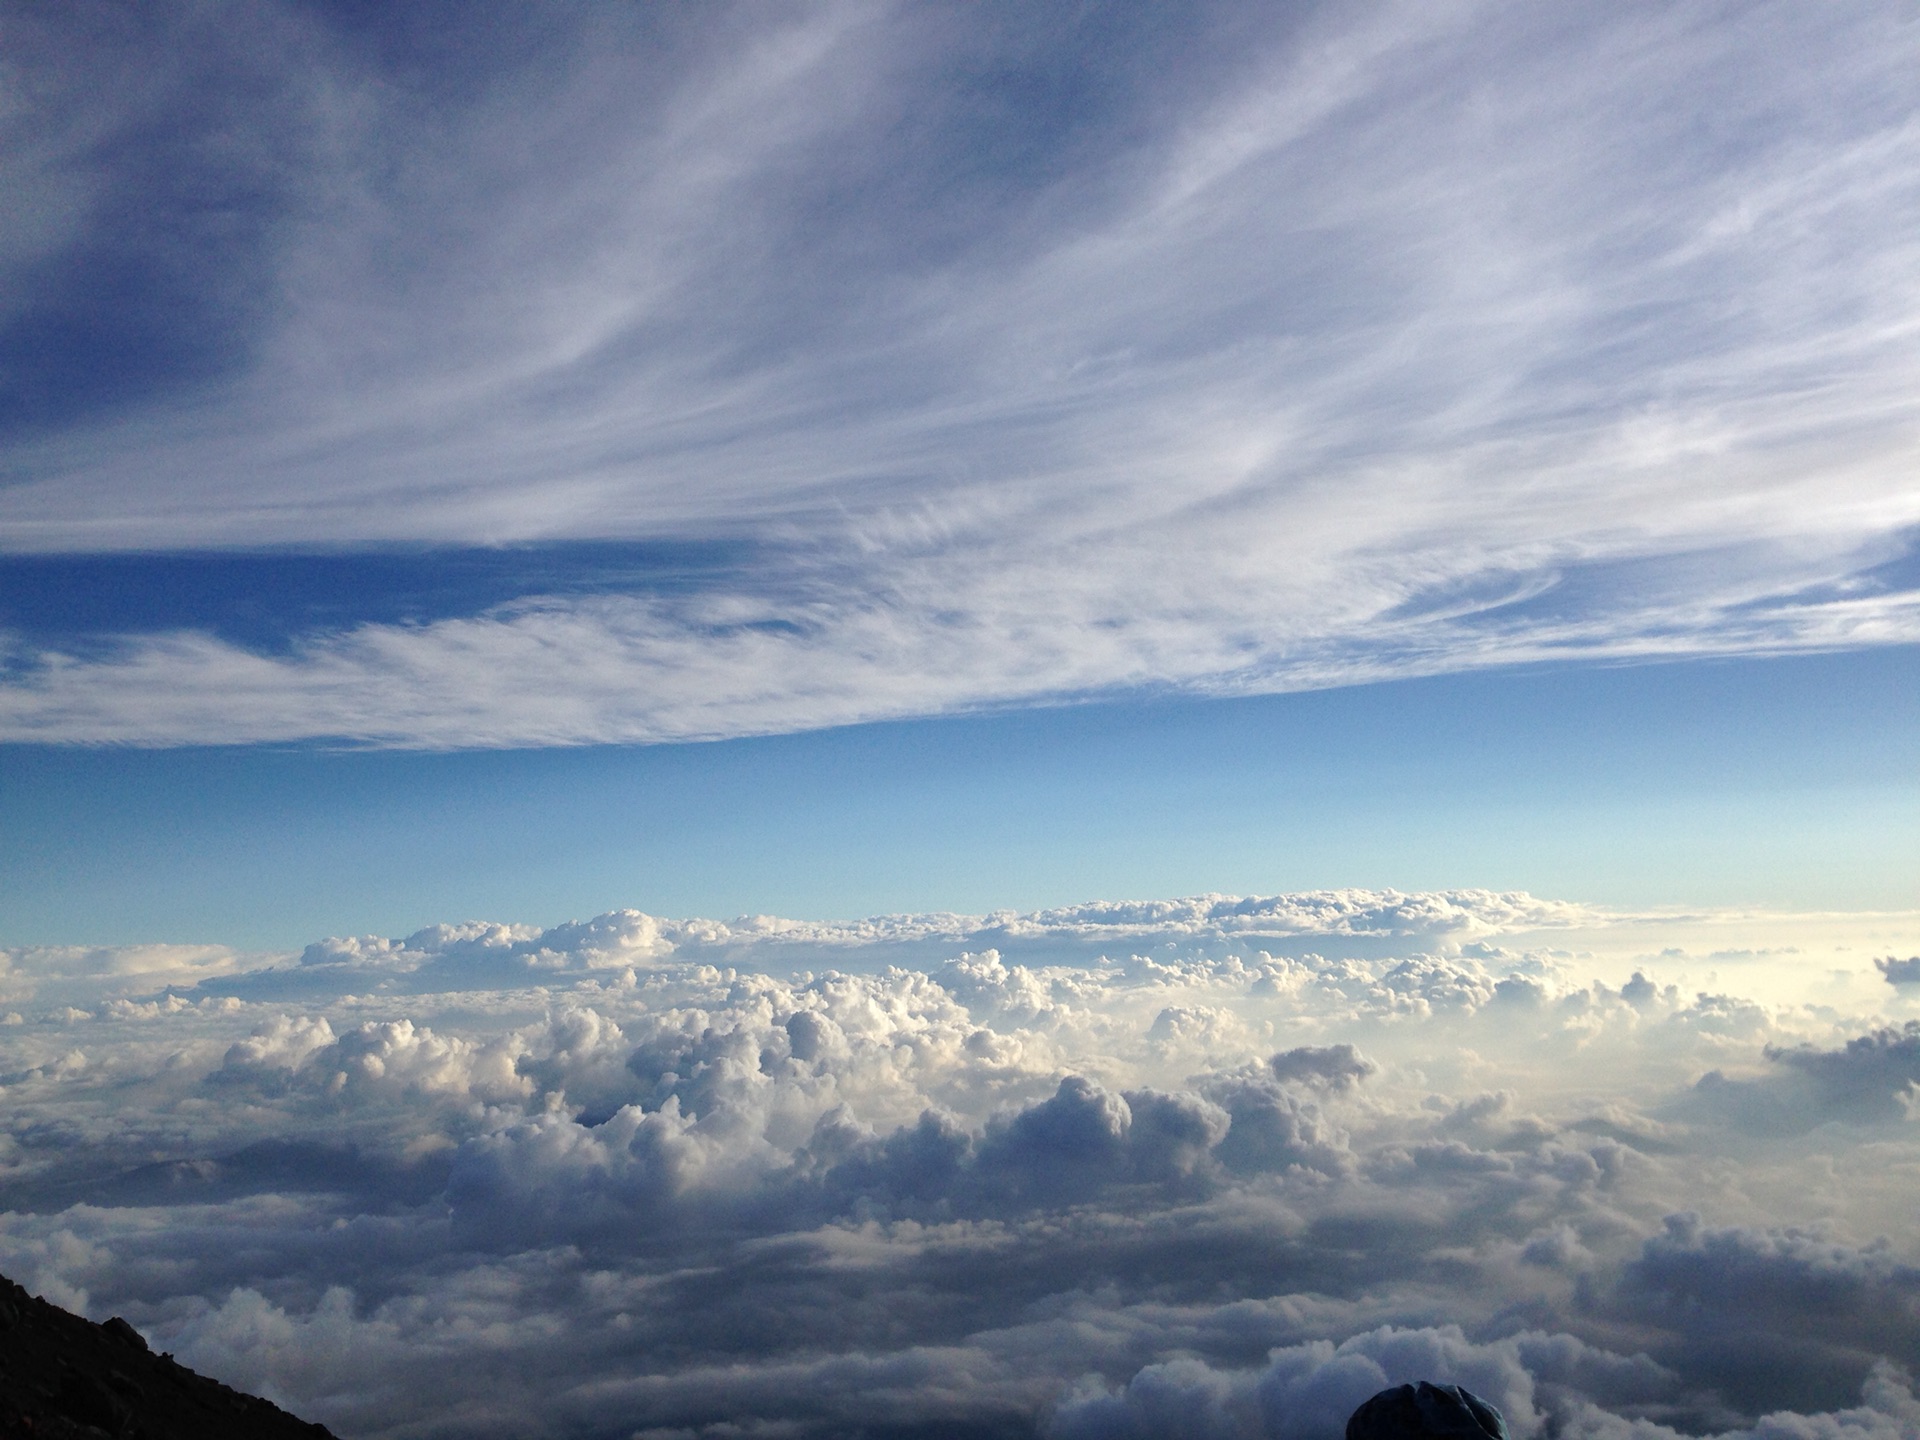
<point>1401,339</point>
<point>1211,1166</point>
<point>621,670</point>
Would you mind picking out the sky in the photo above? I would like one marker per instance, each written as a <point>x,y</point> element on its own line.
<point>1159,634</point>
<point>1783,784</point>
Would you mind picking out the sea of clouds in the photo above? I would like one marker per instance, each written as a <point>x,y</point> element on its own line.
<point>1208,1167</point>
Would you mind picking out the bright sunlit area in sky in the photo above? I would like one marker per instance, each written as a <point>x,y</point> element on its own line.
<point>899,720</point>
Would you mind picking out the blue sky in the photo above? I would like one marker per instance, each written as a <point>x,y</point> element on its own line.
<point>1029,451</point>
<point>1775,784</point>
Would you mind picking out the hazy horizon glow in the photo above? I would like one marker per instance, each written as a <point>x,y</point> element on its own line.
<point>1783,784</point>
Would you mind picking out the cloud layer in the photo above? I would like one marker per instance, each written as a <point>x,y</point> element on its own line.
<point>1216,1168</point>
<point>1045,355</point>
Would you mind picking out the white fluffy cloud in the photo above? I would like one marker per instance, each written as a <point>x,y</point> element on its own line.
<point>1226,1177</point>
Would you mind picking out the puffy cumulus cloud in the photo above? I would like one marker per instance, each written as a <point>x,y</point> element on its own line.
<point>379,1058</point>
<point>1323,912</point>
<point>50,973</point>
<point>977,956</point>
<point>1899,972</point>
<point>477,950</point>
<point>1336,1067</point>
<point>1774,1313</point>
<point>1224,1177</point>
<point>1305,1391</point>
<point>1871,1078</point>
<point>1542,1384</point>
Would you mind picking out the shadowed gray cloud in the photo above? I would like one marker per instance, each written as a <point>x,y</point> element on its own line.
<point>1869,1081</point>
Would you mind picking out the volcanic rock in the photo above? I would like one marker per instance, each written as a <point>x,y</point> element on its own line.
<point>65,1378</point>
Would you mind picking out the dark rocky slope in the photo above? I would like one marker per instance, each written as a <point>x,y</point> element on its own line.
<point>62,1376</point>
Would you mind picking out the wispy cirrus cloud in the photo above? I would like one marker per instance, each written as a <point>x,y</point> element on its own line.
<point>1031,357</point>
<point>625,669</point>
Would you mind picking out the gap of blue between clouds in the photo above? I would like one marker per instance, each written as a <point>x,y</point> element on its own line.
<point>1781,783</point>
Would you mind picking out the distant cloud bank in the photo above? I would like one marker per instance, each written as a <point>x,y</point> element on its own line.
<point>1202,1167</point>
<point>1041,354</point>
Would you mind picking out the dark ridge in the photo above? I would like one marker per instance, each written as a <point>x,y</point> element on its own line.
<point>63,1378</point>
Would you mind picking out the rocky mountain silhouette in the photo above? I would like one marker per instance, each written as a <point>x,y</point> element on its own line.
<point>64,1378</point>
